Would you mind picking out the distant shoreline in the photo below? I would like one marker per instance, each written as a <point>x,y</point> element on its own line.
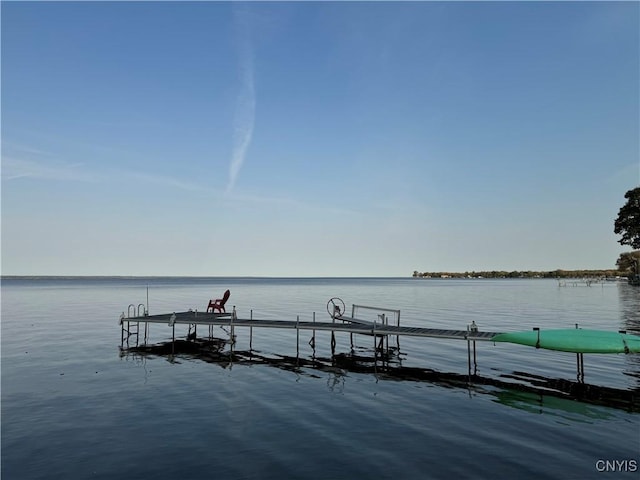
<point>419,275</point>
<point>523,274</point>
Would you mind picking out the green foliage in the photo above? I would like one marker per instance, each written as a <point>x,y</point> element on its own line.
<point>628,262</point>
<point>628,222</point>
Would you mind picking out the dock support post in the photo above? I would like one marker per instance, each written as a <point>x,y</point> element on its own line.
<point>172,324</point>
<point>580,363</point>
<point>469,356</point>
<point>475,362</point>
<point>297,336</point>
<point>375,345</point>
<point>333,335</point>
<point>233,317</point>
<point>312,342</point>
<point>580,366</point>
<point>385,322</point>
<point>122,330</point>
<point>251,332</point>
<point>232,337</point>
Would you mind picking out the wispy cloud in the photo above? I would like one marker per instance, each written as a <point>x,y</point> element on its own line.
<point>244,117</point>
<point>13,168</point>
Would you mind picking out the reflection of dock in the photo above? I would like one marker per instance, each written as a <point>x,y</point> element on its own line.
<point>521,390</point>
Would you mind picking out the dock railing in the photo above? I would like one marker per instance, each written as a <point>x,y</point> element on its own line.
<point>381,316</point>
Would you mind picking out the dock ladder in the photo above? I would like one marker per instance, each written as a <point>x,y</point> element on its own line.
<point>133,328</point>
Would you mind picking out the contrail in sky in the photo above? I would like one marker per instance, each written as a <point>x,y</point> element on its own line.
<point>246,103</point>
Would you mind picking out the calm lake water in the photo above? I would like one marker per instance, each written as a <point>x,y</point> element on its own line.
<point>74,406</point>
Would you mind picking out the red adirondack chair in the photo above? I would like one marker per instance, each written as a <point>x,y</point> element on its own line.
<point>218,303</point>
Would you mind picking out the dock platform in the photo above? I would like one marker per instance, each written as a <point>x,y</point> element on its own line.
<point>376,322</point>
<point>341,324</point>
<point>379,330</point>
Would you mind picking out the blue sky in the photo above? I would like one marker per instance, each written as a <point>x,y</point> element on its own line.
<point>316,139</point>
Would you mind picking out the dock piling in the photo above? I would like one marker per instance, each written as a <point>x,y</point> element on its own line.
<point>233,317</point>
<point>297,336</point>
<point>375,350</point>
<point>469,357</point>
<point>312,340</point>
<point>580,364</point>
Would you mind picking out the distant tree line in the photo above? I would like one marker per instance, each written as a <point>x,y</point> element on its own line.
<point>626,224</point>
<point>521,274</point>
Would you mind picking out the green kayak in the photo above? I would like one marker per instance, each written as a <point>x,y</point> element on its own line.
<point>575,340</point>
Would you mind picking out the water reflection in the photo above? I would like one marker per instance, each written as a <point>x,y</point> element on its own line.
<point>526,391</point>
<point>629,297</point>
<point>629,307</point>
<point>539,403</point>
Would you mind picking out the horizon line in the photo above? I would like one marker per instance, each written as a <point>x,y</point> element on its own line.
<point>3,276</point>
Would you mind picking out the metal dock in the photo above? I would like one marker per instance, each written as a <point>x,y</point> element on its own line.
<point>341,324</point>
<point>385,324</point>
<point>379,329</point>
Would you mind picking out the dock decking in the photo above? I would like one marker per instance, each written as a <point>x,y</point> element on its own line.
<point>341,324</point>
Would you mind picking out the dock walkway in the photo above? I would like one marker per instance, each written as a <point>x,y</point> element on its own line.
<point>341,324</point>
